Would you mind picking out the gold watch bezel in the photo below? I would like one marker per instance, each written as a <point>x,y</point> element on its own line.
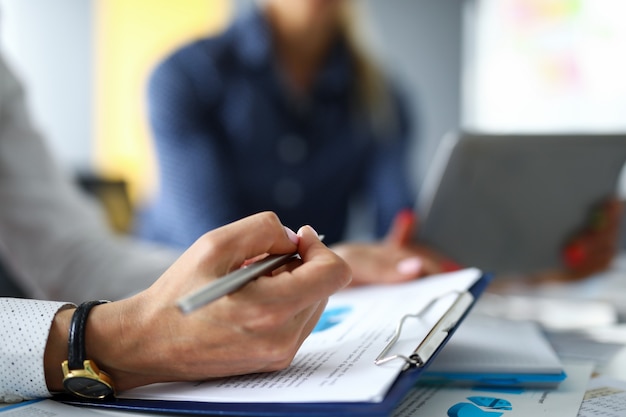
<point>90,372</point>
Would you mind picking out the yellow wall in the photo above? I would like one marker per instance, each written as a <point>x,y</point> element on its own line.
<point>131,37</point>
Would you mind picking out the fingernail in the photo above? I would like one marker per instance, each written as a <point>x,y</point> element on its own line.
<point>292,235</point>
<point>300,231</point>
<point>410,266</point>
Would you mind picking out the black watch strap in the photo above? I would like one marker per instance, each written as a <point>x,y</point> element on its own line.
<point>76,340</point>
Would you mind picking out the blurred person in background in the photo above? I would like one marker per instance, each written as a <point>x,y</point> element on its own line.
<point>286,111</point>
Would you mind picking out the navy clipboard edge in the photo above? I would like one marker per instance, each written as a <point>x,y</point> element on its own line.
<point>401,387</point>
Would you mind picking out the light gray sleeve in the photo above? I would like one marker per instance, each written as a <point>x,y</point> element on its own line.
<point>53,238</point>
<point>24,329</point>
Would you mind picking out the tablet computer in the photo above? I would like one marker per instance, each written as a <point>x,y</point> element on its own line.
<point>508,203</point>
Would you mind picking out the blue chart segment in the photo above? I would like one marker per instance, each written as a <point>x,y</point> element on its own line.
<point>481,407</point>
<point>332,317</point>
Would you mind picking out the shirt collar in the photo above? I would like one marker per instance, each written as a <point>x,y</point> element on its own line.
<point>253,38</point>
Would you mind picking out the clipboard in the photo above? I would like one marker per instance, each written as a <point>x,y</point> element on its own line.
<point>414,363</point>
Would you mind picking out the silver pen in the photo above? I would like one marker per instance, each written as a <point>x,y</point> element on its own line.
<point>233,281</point>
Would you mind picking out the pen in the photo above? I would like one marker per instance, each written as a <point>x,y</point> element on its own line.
<point>233,281</point>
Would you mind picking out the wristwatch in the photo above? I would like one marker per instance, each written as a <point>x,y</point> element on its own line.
<point>81,376</point>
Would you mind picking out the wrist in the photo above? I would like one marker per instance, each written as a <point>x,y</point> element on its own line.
<point>114,341</point>
<point>81,375</point>
<point>108,341</point>
<point>56,349</point>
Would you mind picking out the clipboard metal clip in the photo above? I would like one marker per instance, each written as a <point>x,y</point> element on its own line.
<point>438,333</point>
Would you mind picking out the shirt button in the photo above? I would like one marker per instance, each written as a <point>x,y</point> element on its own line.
<point>287,193</point>
<point>292,149</point>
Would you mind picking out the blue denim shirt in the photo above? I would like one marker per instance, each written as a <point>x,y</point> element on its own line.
<point>232,140</point>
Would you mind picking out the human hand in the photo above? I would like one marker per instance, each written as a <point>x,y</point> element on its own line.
<point>593,248</point>
<point>394,259</point>
<point>259,328</point>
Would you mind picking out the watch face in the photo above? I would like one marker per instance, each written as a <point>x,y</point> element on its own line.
<point>87,387</point>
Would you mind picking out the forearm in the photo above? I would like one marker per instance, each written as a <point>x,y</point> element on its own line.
<point>58,247</point>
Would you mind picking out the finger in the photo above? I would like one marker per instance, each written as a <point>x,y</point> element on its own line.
<point>590,253</point>
<point>410,267</point>
<point>271,302</point>
<point>313,319</point>
<point>600,239</point>
<point>601,247</point>
<point>320,264</point>
<point>402,229</point>
<point>229,247</point>
<point>292,335</point>
<point>321,274</point>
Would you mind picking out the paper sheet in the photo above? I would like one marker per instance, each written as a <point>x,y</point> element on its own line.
<point>336,363</point>
<point>605,397</point>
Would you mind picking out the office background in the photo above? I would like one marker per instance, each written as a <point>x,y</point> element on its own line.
<point>496,65</point>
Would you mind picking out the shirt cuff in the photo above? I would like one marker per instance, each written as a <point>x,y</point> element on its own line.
<point>24,328</point>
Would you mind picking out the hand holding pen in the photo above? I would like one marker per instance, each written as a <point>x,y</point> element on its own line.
<point>234,280</point>
<point>258,328</point>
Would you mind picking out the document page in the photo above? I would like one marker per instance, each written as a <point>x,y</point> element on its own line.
<point>336,362</point>
<point>605,397</point>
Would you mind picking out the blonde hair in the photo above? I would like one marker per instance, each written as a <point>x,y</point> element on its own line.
<point>373,93</point>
